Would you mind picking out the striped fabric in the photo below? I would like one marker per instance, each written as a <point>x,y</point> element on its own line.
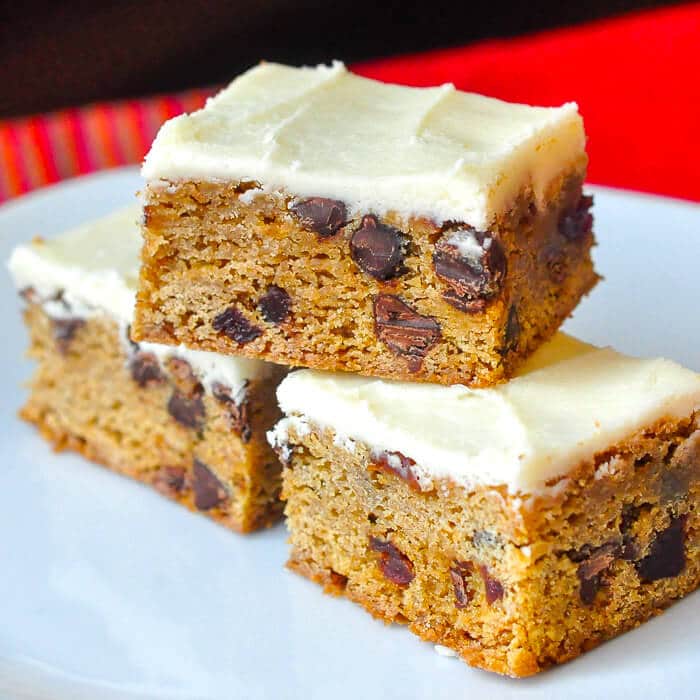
<point>39,150</point>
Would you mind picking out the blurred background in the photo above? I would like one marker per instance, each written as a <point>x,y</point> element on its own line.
<point>56,54</point>
<point>86,84</point>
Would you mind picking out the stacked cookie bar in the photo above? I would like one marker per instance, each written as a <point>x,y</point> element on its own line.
<point>450,460</point>
<point>518,525</point>
<point>416,249</point>
<point>315,218</point>
<point>192,424</point>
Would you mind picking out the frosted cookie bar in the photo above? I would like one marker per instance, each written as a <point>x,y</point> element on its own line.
<point>190,423</point>
<point>313,217</point>
<point>519,525</point>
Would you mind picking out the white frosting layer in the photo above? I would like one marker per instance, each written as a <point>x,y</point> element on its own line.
<point>95,266</point>
<point>210,367</point>
<point>95,269</point>
<point>570,402</point>
<point>325,132</point>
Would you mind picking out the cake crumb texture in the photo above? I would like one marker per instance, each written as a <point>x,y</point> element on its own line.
<point>304,283</point>
<point>155,426</point>
<point>513,585</point>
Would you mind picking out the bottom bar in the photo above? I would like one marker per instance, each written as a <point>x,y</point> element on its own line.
<point>519,526</point>
<point>190,423</point>
<point>154,423</point>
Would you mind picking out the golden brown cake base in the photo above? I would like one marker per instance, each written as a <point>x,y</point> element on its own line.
<point>85,397</point>
<point>512,585</point>
<point>229,269</point>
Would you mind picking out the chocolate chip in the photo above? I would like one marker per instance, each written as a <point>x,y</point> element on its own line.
<point>629,550</point>
<point>64,330</point>
<point>393,563</point>
<point>461,573</point>
<point>169,480</point>
<point>493,588</point>
<point>145,369</point>
<point>187,410</point>
<point>512,331</point>
<point>236,411</point>
<point>397,464</point>
<point>378,249</point>
<point>275,304</point>
<point>469,306</point>
<point>404,330</point>
<point>208,490</point>
<point>588,589</point>
<point>473,264</point>
<point>323,216</point>
<point>598,560</point>
<point>594,562</point>
<point>666,557</point>
<point>236,326</point>
<point>576,223</point>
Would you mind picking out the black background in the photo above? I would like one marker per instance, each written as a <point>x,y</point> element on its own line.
<point>55,54</point>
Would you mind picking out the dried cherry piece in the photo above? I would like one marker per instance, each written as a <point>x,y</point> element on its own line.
<point>145,369</point>
<point>183,376</point>
<point>493,588</point>
<point>187,410</point>
<point>393,563</point>
<point>461,573</point>
<point>236,326</point>
<point>275,305</point>
<point>398,464</point>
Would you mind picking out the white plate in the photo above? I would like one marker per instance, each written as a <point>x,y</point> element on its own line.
<point>108,590</point>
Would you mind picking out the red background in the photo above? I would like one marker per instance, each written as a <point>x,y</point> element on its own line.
<point>636,79</point>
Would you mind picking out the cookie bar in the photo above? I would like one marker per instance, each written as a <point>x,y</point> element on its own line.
<point>316,218</point>
<point>192,424</point>
<point>519,526</point>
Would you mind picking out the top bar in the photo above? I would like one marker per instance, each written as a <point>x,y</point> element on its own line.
<point>324,132</point>
<point>314,218</point>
